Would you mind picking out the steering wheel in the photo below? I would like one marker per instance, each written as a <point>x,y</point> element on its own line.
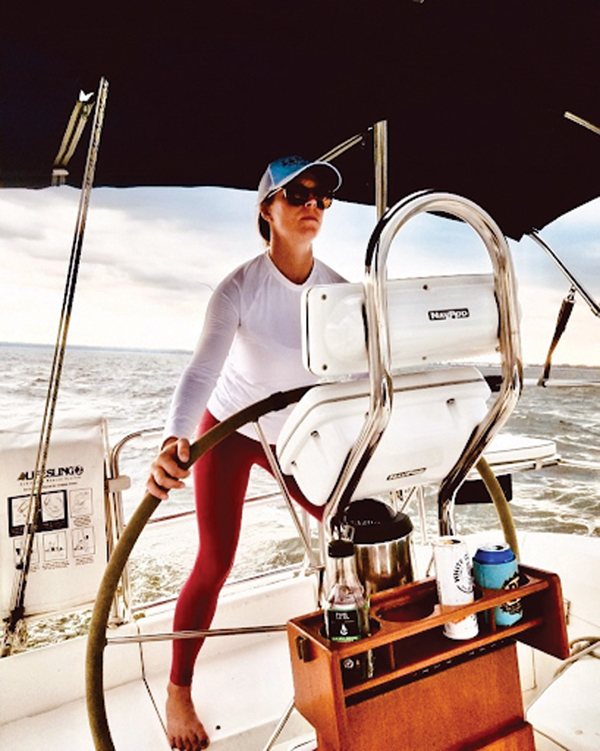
<point>94,672</point>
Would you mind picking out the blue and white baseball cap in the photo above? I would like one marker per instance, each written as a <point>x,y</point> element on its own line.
<point>282,171</point>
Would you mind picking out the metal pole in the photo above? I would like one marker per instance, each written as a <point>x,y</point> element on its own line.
<point>34,508</point>
<point>122,605</point>
<point>280,725</point>
<point>381,167</point>
<point>580,121</point>
<point>341,148</point>
<point>200,634</point>
<point>377,349</point>
<point>278,475</point>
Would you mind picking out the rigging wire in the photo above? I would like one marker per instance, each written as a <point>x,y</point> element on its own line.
<point>33,517</point>
<point>588,299</point>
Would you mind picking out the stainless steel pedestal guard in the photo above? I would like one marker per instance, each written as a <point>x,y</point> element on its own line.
<point>378,349</point>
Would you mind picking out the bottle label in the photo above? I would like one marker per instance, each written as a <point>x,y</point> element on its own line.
<point>343,625</point>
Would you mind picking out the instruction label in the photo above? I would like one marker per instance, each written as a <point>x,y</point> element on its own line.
<point>69,550</point>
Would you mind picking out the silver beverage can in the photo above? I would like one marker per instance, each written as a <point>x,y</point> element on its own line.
<point>455,586</point>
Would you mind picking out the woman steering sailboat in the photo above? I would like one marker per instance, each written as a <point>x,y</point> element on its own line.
<point>250,347</point>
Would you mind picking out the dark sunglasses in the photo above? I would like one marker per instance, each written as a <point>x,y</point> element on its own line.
<point>300,195</point>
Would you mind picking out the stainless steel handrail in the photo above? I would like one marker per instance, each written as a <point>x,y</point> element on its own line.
<point>378,348</point>
<point>123,606</point>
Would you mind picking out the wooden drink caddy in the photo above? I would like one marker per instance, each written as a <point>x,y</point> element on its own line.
<point>428,692</point>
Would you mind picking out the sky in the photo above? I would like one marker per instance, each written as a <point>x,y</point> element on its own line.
<point>151,257</point>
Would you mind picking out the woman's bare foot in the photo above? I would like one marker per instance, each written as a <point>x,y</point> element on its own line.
<point>184,729</point>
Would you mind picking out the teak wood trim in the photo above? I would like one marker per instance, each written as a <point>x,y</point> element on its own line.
<point>409,645</point>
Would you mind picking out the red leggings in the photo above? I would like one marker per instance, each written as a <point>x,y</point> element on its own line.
<point>220,482</point>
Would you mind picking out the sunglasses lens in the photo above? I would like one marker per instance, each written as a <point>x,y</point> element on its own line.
<point>300,195</point>
<point>297,196</point>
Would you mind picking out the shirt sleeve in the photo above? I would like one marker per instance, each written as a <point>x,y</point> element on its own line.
<point>200,376</point>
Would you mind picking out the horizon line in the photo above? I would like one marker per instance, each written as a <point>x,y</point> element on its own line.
<point>162,350</point>
<point>99,347</point>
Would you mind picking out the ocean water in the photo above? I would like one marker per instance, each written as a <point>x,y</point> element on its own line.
<point>132,389</point>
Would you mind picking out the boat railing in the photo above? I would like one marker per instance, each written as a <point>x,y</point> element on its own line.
<point>124,606</point>
<point>508,334</point>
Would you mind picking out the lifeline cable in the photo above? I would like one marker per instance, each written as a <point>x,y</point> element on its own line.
<point>17,609</point>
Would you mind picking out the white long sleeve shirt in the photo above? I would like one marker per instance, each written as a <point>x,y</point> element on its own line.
<point>250,347</point>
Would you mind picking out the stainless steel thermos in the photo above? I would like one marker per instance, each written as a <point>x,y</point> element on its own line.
<point>382,544</point>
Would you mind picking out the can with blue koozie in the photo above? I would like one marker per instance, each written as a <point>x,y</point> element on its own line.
<point>496,567</point>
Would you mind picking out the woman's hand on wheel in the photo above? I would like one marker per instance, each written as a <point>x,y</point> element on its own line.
<point>166,471</point>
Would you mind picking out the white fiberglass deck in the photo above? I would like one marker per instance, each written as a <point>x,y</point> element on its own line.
<point>244,682</point>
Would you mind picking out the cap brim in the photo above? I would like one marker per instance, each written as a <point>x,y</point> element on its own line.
<point>332,176</point>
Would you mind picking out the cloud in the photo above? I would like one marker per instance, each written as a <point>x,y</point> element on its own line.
<point>11,229</point>
<point>151,255</point>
